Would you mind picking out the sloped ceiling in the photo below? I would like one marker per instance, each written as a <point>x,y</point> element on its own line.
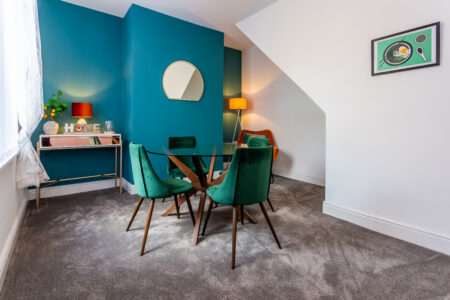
<point>221,15</point>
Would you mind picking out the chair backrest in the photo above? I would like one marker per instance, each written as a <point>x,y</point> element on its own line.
<point>266,132</point>
<point>254,142</point>
<point>181,142</point>
<point>146,181</point>
<point>248,177</point>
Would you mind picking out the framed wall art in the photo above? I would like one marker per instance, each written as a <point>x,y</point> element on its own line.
<point>406,50</point>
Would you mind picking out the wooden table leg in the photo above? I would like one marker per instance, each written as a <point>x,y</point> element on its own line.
<point>181,200</point>
<point>198,220</point>
<point>211,169</point>
<point>199,170</point>
<point>246,216</point>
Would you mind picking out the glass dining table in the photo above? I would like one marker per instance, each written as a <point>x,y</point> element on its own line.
<point>199,179</point>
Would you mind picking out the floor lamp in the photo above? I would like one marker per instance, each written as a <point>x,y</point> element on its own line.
<point>238,104</point>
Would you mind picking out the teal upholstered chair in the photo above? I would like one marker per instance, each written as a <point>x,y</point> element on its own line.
<point>183,142</point>
<point>149,185</point>
<point>254,142</point>
<point>246,183</point>
<point>260,141</point>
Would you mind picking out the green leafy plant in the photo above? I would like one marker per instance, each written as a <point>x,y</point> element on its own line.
<point>55,106</point>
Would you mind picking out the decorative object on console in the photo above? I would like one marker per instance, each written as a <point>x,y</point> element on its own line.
<point>68,128</point>
<point>53,107</point>
<point>237,103</point>
<point>183,81</point>
<point>109,127</point>
<point>81,110</point>
<point>81,127</point>
<point>406,50</point>
<point>96,128</point>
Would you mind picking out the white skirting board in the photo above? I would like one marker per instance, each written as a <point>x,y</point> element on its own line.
<point>128,187</point>
<point>68,189</point>
<point>400,231</point>
<point>6,252</point>
<point>300,177</point>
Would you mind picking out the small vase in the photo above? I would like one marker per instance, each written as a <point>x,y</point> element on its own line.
<point>51,127</point>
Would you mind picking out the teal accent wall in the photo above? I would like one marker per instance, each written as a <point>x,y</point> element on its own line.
<point>232,78</point>
<point>152,42</point>
<point>81,56</point>
<point>117,64</point>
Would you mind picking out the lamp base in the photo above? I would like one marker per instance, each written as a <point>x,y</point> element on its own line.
<point>81,121</point>
<point>238,121</point>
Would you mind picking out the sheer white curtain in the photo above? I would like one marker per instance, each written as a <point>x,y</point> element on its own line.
<point>23,84</point>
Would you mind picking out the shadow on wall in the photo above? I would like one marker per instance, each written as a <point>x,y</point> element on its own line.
<point>287,159</point>
<point>276,103</point>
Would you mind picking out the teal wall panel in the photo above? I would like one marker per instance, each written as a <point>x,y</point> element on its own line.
<point>232,88</point>
<point>154,41</point>
<point>81,56</point>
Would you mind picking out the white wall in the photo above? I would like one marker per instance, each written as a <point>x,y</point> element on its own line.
<point>387,137</point>
<point>298,124</point>
<point>12,206</point>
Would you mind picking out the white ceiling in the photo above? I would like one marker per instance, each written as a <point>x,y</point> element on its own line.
<point>221,15</point>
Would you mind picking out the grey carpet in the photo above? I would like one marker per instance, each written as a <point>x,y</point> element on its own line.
<point>76,247</point>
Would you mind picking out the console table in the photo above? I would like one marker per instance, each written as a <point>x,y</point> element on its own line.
<point>81,141</point>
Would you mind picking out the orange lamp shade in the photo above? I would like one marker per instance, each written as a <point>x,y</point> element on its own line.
<point>81,110</point>
<point>237,103</point>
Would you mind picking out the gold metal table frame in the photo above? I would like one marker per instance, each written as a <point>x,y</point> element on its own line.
<point>117,146</point>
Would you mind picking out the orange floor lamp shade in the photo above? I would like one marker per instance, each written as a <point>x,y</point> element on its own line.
<point>81,110</point>
<point>237,103</point>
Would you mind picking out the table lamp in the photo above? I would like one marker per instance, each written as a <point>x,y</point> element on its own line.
<point>81,110</point>
<point>237,103</point>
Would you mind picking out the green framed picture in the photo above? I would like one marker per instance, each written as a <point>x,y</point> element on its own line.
<point>406,50</point>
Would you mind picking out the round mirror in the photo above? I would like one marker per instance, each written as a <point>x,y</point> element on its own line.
<point>183,81</point>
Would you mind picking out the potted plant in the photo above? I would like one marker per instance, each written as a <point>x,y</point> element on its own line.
<point>53,107</point>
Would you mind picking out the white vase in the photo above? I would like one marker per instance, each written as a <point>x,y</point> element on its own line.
<point>51,127</point>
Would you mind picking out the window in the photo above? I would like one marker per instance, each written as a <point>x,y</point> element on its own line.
<point>8,113</point>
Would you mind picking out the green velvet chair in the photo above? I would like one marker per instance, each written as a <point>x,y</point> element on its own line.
<point>149,185</point>
<point>254,142</point>
<point>183,142</point>
<point>246,183</point>
<point>260,141</point>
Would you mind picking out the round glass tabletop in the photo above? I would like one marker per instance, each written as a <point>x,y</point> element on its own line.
<point>200,149</point>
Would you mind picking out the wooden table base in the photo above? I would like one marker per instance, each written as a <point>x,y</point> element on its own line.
<point>200,183</point>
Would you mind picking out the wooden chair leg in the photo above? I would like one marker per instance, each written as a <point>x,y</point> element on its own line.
<point>242,214</point>
<point>269,223</point>
<point>207,215</point>
<point>147,225</point>
<point>135,212</point>
<point>175,197</point>
<point>191,212</point>
<point>233,253</point>
<point>270,204</point>
<point>163,200</point>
